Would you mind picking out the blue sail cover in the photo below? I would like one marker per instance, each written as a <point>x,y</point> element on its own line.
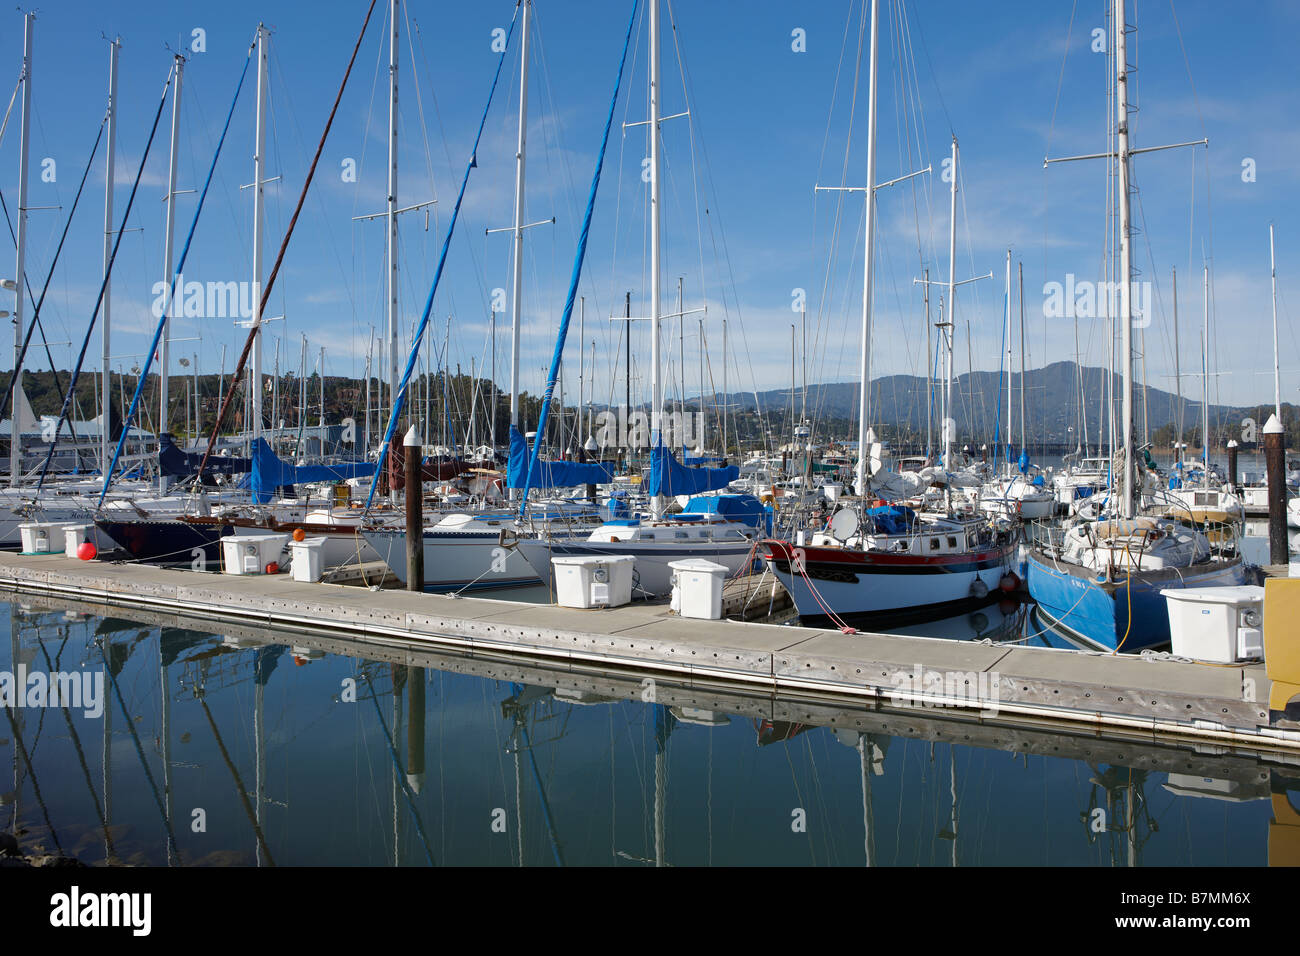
<point>670,477</point>
<point>551,474</point>
<point>269,472</point>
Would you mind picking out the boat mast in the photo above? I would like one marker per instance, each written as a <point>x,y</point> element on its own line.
<point>106,393</point>
<point>1178,377</point>
<point>516,299</point>
<point>1008,366</point>
<point>869,248</point>
<point>1020,275</point>
<point>947,426</point>
<point>259,217</point>
<point>492,426</point>
<point>726,401</point>
<point>1205,378</point>
<point>582,335</point>
<point>656,385</point>
<point>929,359</point>
<point>1125,257</point>
<point>164,347</point>
<point>20,241</point>
<point>394,378</point>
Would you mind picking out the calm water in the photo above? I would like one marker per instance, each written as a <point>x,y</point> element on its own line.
<point>250,752</point>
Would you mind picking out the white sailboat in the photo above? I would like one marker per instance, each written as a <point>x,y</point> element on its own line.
<point>654,540</point>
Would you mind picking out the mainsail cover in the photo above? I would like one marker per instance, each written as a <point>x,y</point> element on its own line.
<point>270,473</point>
<point>176,463</point>
<point>669,477</point>
<point>551,474</point>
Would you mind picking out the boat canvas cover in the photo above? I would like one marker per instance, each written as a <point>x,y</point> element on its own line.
<point>183,464</point>
<point>669,477</point>
<point>743,508</point>
<point>552,474</point>
<point>270,473</point>
<point>891,519</point>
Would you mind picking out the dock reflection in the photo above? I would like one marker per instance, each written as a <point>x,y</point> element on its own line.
<point>316,749</point>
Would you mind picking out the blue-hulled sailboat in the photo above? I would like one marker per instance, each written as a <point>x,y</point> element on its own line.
<point>1103,583</point>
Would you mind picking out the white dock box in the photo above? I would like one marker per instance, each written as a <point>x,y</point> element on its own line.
<point>307,558</point>
<point>586,581</point>
<point>250,554</point>
<point>697,588</point>
<point>75,535</point>
<point>1219,625</point>
<point>42,537</point>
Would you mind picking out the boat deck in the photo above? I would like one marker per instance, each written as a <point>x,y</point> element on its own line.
<point>1090,693</point>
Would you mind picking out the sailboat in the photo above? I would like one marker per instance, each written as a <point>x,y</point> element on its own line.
<point>892,558</point>
<point>1102,583</point>
<point>655,540</point>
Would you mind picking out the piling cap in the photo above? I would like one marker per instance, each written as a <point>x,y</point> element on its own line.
<point>1232,443</point>
<point>590,444</point>
<point>1273,426</point>
<point>412,439</point>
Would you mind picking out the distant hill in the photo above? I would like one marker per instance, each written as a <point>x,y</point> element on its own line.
<point>979,399</point>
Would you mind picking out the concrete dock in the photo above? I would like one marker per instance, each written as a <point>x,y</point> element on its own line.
<point>1102,696</point>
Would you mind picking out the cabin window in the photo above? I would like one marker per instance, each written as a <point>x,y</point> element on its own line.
<point>952,543</point>
<point>681,534</point>
<point>647,536</point>
<point>934,544</point>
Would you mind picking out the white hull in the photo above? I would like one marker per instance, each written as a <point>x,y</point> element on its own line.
<point>456,559</point>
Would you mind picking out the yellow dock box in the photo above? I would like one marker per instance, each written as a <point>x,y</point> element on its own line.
<point>1282,639</point>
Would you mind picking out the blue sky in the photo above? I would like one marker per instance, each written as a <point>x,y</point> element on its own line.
<point>742,224</point>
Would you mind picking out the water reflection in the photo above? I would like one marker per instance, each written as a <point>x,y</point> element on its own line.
<point>257,748</point>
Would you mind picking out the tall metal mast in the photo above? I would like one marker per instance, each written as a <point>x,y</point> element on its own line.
<point>172,294</point>
<point>20,274</point>
<point>259,216</point>
<point>106,394</point>
<point>1205,378</point>
<point>1008,338</point>
<point>582,335</point>
<point>1020,277</point>
<point>656,385</point>
<point>864,361</point>
<point>1125,257</point>
<point>1178,375</point>
<point>516,297</point>
<point>391,348</point>
<point>946,426</point>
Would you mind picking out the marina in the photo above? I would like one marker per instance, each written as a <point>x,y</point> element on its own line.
<point>648,436</point>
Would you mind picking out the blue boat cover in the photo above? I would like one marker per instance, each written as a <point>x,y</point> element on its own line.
<point>270,473</point>
<point>745,508</point>
<point>551,474</point>
<point>670,477</point>
<point>891,519</point>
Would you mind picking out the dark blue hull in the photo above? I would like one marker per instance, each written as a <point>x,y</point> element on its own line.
<point>167,542</point>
